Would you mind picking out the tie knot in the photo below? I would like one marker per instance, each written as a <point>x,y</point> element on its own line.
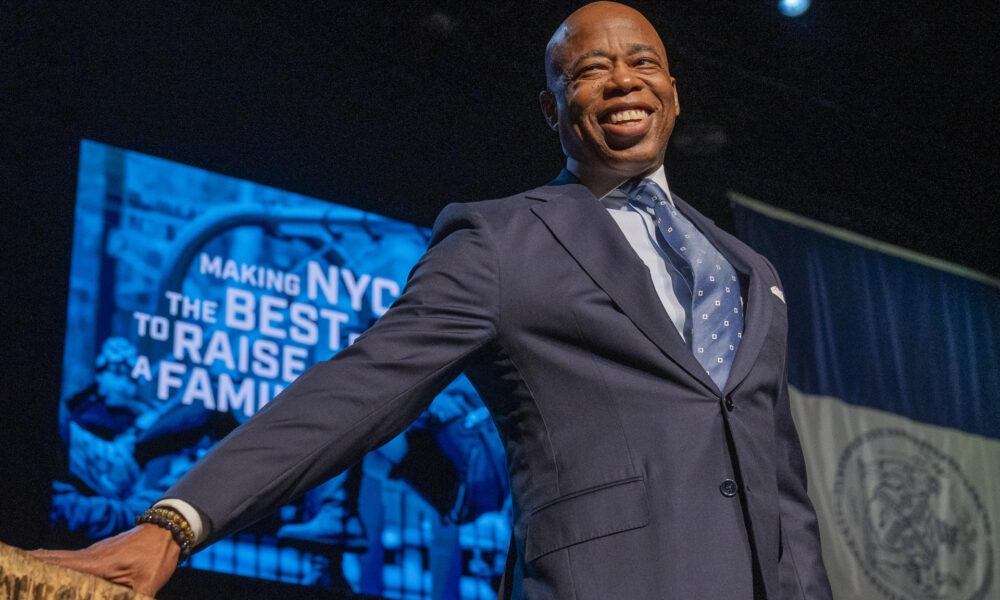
<point>644,192</point>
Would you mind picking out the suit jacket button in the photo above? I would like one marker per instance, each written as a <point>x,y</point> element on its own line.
<point>729,404</point>
<point>728,488</point>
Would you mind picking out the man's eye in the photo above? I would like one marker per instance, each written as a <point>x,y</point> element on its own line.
<point>650,61</point>
<point>588,70</point>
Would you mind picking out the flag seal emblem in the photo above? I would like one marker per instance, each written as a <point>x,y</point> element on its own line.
<point>913,522</point>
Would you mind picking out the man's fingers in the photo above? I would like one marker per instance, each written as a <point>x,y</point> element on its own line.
<point>57,557</point>
<point>80,560</point>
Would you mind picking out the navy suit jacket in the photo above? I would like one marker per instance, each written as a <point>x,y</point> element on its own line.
<point>619,446</point>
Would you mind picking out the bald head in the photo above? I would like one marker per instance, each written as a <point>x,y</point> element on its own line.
<point>584,19</point>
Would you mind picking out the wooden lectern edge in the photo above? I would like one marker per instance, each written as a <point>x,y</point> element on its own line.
<point>24,576</point>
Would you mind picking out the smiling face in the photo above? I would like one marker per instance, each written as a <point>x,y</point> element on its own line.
<point>610,94</point>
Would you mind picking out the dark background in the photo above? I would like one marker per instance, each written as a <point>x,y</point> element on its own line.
<point>876,118</point>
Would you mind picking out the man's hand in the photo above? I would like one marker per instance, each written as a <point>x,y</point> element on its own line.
<point>142,558</point>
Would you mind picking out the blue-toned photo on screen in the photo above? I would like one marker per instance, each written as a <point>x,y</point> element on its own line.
<point>195,298</point>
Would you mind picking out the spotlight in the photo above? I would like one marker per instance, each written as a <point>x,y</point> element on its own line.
<point>793,8</point>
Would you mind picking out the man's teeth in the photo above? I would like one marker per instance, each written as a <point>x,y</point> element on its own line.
<point>629,115</point>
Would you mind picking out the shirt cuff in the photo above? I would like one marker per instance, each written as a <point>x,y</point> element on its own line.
<point>190,515</point>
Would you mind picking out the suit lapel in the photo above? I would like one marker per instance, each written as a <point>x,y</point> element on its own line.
<point>756,324</point>
<point>583,226</point>
<point>757,315</point>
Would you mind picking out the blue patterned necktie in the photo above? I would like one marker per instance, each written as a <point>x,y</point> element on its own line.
<point>716,311</point>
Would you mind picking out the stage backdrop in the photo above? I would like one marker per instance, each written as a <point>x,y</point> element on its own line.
<point>895,373</point>
<point>195,298</point>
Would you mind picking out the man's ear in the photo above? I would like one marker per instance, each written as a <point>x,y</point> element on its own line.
<point>677,102</point>
<point>547,100</point>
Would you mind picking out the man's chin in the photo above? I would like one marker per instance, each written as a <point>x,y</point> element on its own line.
<point>630,164</point>
<point>623,164</point>
<point>631,154</point>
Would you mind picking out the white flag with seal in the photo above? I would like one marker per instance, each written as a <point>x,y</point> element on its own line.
<point>894,366</point>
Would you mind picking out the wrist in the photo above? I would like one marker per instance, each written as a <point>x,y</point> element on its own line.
<point>173,524</point>
<point>163,539</point>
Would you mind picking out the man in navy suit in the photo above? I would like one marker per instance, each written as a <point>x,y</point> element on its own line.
<point>639,469</point>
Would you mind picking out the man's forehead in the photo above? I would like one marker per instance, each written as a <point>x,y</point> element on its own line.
<point>588,36</point>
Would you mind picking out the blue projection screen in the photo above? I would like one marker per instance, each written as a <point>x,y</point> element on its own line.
<point>194,299</point>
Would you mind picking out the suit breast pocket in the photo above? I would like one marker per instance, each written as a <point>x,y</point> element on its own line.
<point>587,515</point>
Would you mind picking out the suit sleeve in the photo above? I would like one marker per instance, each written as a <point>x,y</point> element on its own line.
<point>801,572</point>
<point>800,568</point>
<point>342,408</point>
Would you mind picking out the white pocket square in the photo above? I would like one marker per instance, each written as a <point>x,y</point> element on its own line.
<point>777,292</point>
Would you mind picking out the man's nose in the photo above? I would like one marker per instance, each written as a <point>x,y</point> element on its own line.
<point>623,79</point>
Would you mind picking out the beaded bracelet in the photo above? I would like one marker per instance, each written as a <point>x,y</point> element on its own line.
<point>173,522</point>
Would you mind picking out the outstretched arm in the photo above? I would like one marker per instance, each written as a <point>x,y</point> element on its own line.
<point>367,394</point>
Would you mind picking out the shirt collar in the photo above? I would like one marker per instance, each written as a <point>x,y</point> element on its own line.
<point>615,199</point>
